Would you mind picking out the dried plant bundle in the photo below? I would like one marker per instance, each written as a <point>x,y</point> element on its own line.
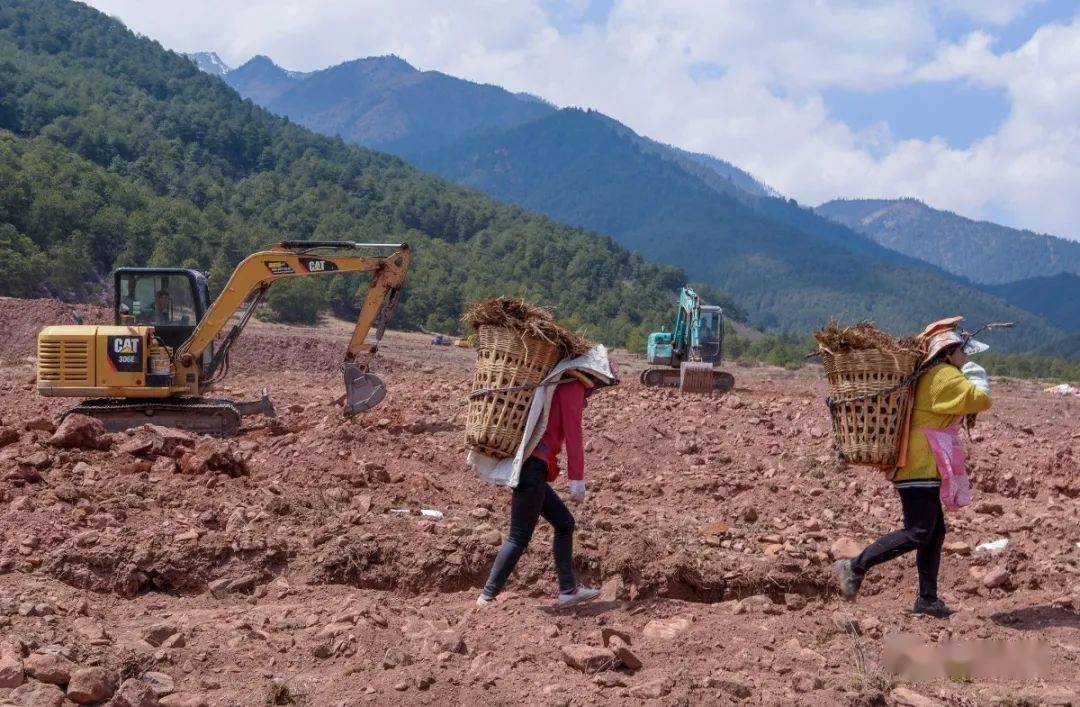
<point>526,318</point>
<point>862,336</point>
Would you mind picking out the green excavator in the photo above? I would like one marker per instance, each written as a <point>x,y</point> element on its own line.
<point>690,353</point>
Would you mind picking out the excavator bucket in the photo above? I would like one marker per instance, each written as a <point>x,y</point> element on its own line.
<point>363,390</point>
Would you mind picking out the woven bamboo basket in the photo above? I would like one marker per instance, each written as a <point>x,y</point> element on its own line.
<point>869,403</point>
<point>505,359</point>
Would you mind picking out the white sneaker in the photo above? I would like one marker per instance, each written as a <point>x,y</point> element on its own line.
<point>484,600</point>
<point>578,596</point>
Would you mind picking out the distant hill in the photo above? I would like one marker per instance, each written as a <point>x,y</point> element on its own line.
<point>209,62</point>
<point>114,151</point>
<point>261,80</point>
<point>1055,298</point>
<point>978,250</point>
<point>384,103</point>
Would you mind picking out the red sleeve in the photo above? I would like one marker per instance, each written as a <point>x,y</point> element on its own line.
<point>573,405</point>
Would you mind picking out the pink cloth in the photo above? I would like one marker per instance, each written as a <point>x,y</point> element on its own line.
<point>564,428</point>
<point>948,449</point>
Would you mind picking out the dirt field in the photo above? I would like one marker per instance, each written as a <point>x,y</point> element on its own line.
<point>277,568</point>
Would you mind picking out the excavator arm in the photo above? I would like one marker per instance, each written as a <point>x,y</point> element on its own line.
<point>253,277</point>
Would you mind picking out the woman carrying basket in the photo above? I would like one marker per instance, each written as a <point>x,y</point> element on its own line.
<point>950,388</point>
<point>534,498</point>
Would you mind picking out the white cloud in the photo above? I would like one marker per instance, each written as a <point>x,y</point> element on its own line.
<point>758,106</point>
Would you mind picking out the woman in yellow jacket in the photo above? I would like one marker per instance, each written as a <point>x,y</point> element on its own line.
<point>949,389</point>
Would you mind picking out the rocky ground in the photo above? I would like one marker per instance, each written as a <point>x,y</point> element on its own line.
<point>292,565</point>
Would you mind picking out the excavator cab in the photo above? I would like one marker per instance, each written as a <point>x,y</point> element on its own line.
<point>710,333</point>
<point>172,300</point>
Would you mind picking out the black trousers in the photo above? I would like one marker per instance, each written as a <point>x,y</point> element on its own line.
<point>532,499</point>
<point>923,532</point>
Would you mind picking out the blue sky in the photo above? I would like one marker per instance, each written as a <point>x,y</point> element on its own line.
<point>969,105</point>
<point>956,111</point>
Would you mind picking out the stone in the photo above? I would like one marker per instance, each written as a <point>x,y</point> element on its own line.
<point>609,680</point>
<point>134,693</point>
<point>89,685</point>
<point>795,602</point>
<point>622,651</point>
<point>731,684</point>
<point>36,694</point>
<point>214,456</point>
<point>184,699</point>
<point>611,589</point>
<point>40,424</point>
<point>906,697</point>
<point>846,622</point>
<point>492,537</point>
<point>176,640</point>
<point>219,587</point>
<point>989,508</point>
<point>608,632</point>
<point>652,690</point>
<point>161,683</point>
<point>11,670</point>
<point>49,668</point>
<point>80,432</point>
<point>844,549</point>
<point>8,436</point>
<point>996,577</point>
<point>587,659</point>
<point>156,634</point>
<point>957,548</point>
<point>749,514</point>
<point>479,513</point>
<point>802,681</point>
<point>163,465</point>
<point>666,629</point>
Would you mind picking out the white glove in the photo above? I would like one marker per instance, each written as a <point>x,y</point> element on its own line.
<point>577,490</point>
<point>977,375</point>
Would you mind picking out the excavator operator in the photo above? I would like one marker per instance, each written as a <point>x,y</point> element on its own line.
<point>160,311</point>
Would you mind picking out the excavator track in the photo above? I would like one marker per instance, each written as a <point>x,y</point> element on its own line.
<point>722,382</point>
<point>212,416</point>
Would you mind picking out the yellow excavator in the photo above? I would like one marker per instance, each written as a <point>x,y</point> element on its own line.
<point>159,358</point>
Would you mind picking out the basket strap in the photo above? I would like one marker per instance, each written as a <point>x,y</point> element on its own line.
<point>481,392</point>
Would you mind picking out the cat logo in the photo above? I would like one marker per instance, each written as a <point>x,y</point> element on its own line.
<point>315,265</point>
<point>279,267</point>
<point>126,345</point>
<point>125,353</point>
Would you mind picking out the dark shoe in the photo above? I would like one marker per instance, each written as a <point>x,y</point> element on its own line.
<point>848,580</point>
<point>932,607</point>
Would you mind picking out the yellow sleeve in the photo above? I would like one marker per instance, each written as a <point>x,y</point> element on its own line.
<point>953,394</point>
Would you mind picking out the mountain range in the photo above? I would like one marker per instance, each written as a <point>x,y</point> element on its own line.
<point>789,267</point>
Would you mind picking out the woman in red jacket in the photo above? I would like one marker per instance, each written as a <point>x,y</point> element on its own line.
<point>533,496</point>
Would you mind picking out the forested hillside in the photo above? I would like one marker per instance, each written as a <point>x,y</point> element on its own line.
<point>978,250</point>
<point>117,152</point>
<point>1056,298</point>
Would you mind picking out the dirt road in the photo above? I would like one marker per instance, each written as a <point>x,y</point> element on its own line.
<point>279,565</point>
